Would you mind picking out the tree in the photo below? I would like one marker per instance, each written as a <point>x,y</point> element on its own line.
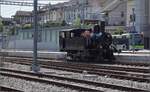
<point>119,30</point>
<point>86,26</point>
<point>12,31</point>
<point>27,26</point>
<point>63,23</point>
<point>52,24</point>
<point>1,26</point>
<point>77,22</point>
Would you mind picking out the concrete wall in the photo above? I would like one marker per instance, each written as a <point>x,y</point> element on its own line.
<point>28,45</point>
<point>49,39</point>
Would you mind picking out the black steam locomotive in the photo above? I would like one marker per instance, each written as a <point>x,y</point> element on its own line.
<point>85,45</point>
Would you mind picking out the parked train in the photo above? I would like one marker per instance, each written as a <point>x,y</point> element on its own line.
<point>87,45</point>
<point>128,41</point>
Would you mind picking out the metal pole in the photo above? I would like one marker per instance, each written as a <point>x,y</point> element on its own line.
<point>35,63</point>
<point>49,11</point>
<point>133,43</point>
<point>15,36</point>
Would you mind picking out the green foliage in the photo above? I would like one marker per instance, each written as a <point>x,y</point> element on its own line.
<point>12,31</point>
<point>119,31</point>
<point>54,24</point>
<point>86,26</point>
<point>77,23</point>
<point>27,26</point>
<point>17,17</point>
<point>1,26</point>
<point>63,23</point>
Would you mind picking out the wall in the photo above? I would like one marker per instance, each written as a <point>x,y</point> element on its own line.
<point>49,39</point>
<point>141,15</point>
<point>130,6</point>
<point>115,17</point>
<point>143,20</point>
<point>28,45</point>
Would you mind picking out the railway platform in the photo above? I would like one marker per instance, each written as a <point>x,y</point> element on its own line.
<point>142,56</point>
<point>41,54</point>
<point>125,56</point>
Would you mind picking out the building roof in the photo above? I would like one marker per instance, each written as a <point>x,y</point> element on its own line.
<point>23,13</point>
<point>7,19</point>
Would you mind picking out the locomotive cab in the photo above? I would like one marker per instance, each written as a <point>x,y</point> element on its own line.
<point>71,40</point>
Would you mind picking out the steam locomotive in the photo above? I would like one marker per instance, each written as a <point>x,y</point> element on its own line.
<point>85,45</point>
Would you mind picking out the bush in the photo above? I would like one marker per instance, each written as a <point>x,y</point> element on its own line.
<point>12,31</point>
<point>52,24</point>
<point>119,31</point>
<point>27,26</point>
<point>63,23</point>
<point>87,26</point>
<point>1,26</point>
<point>77,23</point>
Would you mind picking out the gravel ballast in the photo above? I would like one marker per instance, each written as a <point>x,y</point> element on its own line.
<point>29,86</point>
<point>84,76</point>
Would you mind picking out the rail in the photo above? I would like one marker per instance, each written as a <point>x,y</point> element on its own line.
<point>7,89</point>
<point>79,69</point>
<point>8,72</point>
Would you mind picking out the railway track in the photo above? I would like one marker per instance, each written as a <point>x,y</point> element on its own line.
<point>110,66</point>
<point>113,63</point>
<point>102,72</point>
<point>118,69</point>
<point>71,83</point>
<point>7,89</point>
<point>132,64</point>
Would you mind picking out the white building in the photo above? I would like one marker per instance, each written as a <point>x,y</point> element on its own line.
<point>83,9</point>
<point>143,20</point>
<point>23,17</point>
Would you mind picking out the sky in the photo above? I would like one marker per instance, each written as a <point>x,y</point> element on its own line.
<point>9,10</point>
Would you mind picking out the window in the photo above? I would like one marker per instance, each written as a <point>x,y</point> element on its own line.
<point>87,2</point>
<point>122,23</point>
<point>30,35</point>
<point>72,35</point>
<point>122,14</point>
<point>62,34</point>
<point>67,34</point>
